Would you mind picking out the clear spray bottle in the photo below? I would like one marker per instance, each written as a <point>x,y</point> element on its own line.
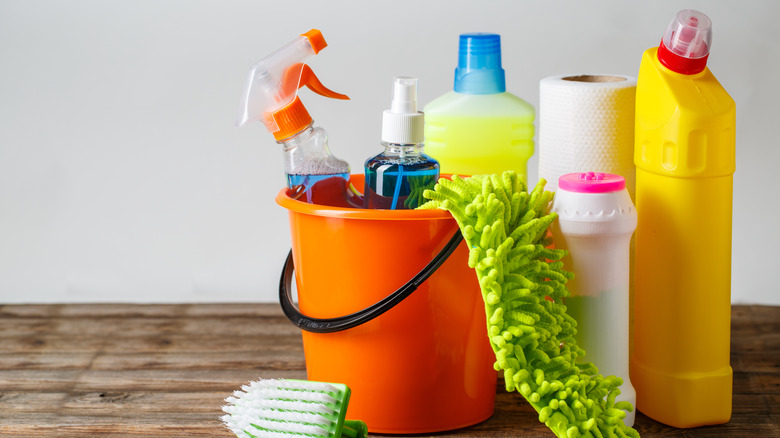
<point>396,178</point>
<point>313,174</point>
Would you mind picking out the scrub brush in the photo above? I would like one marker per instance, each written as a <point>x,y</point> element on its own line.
<point>523,284</point>
<point>291,408</point>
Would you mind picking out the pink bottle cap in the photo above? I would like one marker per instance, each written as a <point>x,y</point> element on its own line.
<point>591,182</point>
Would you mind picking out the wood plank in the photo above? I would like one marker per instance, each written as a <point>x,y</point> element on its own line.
<point>127,327</point>
<point>267,360</point>
<point>757,363</point>
<point>271,359</point>
<point>12,403</point>
<point>36,380</point>
<point>141,380</point>
<point>110,402</point>
<point>139,310</point>
<point>30,310</point>
<point>763,383</point>
<point>171,343</point>
<point>60,361</point>
<point>762,316</point>
<point>752,320</point>
<point>152,424</point>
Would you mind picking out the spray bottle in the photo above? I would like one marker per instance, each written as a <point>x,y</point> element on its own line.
<point>396,178</point>
<point>479,127</point>
<point>684,156</point>
<point>314,175</point>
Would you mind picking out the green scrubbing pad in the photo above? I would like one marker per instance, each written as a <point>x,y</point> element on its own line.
<point>523,284</point>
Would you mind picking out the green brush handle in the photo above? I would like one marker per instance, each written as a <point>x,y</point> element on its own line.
<point>523,284</point>
<point>354,429</point>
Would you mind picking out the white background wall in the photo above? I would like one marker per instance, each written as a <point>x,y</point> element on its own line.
<point>122,177</point>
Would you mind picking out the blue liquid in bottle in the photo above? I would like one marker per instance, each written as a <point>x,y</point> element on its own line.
<point>330,189</point>
<point>314,175</point>
<point>396,178</point>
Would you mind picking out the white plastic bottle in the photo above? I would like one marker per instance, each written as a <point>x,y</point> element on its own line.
<point>596,219</point>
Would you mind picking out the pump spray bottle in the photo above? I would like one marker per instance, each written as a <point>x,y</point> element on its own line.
<point>314,175</point>
<point>396,178</point>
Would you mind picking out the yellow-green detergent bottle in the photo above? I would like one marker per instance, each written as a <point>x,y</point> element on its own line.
<point>479,127</point>
<point>684,154</point>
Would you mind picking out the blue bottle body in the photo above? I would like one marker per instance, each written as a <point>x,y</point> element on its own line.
<point>396,178</point>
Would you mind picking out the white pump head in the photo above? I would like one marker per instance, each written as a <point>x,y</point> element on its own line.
<point>402,123</point>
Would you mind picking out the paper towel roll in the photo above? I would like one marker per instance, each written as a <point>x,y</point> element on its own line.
<point>586,123</point>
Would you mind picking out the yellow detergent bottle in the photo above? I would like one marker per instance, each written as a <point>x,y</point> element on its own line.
<point>479,127</point>
<point>684,154</point>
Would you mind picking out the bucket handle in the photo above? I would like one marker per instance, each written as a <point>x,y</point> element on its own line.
<point>330,325</point>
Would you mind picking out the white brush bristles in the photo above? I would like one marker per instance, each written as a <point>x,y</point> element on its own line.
<point>277,415</point>
<point>286,394</point>
<point>291,384</point>
<point>281,408</point>
<point>287,405</point>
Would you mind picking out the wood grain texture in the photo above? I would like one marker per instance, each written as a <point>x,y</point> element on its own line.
<point>163,370</point>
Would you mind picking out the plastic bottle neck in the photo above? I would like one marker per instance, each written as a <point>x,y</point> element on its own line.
<point>403,150</point>
<point>680,64</point>
<point>298,138</point>
<point>479,68</point>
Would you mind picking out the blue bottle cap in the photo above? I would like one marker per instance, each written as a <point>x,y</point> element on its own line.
<point>479,64</point>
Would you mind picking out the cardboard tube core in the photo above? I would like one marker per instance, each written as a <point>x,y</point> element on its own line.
<point>594,78</point>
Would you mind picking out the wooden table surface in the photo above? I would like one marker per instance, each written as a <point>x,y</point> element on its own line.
<point>164,370</point>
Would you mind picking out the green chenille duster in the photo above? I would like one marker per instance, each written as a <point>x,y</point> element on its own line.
<point>523,284</point>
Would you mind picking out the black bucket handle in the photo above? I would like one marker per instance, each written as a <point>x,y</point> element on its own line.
<point>330,325</point>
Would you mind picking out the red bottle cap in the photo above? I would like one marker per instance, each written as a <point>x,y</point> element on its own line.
<point>686,44</point>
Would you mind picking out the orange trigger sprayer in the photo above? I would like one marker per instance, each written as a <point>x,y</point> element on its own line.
<point>314,175</point>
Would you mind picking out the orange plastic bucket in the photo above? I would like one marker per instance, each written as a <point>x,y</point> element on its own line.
<point>423,366</point>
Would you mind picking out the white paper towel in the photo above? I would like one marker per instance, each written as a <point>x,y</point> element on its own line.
<point>586,123</point>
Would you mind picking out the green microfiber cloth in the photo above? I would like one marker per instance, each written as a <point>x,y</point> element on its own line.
<point>523,283</point>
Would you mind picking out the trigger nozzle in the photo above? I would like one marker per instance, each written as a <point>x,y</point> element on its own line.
<point>309,79</point>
